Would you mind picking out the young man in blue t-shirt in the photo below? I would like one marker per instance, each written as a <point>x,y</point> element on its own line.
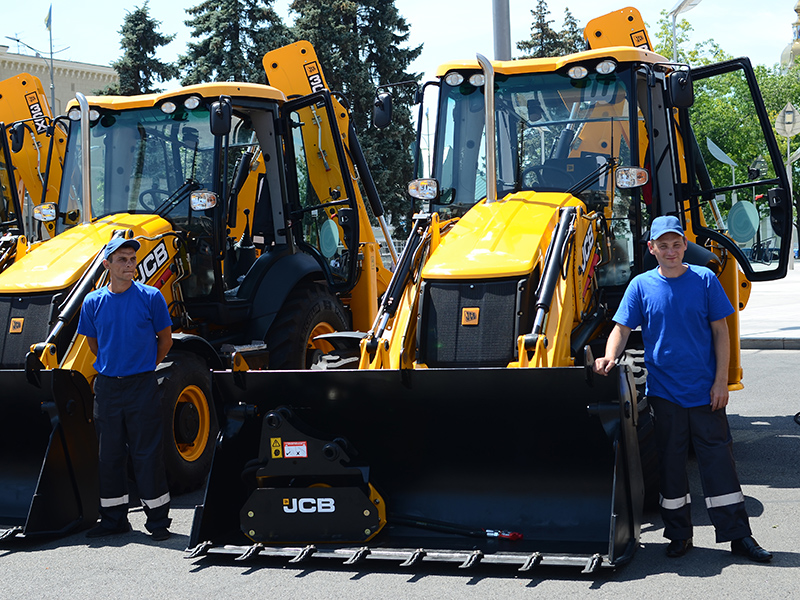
<point>682,309</point>
<point>128,327</point>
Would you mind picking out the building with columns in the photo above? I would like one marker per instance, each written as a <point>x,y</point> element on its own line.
<point>68,77</point>
<point>791,53</point>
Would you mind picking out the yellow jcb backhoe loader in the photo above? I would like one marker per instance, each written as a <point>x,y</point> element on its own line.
<point>24,148</point>
<point>252,225</point>
<point>474,429</point>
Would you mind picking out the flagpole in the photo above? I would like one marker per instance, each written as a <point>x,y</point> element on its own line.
<point>52,81</point>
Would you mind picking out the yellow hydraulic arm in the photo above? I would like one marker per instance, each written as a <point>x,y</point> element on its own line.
<point>24,102</point>
<point>295,70</point>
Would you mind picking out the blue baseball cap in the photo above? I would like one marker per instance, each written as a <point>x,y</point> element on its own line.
<point>117,243</point>
<point>665,224</point>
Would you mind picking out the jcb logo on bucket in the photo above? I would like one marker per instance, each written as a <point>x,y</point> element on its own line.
<point>308,505</point>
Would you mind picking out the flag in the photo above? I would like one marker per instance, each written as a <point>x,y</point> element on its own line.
<point>49,20</point>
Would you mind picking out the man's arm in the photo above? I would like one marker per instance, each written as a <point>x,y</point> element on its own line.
<point>164,343</point>
<point>722,351</point>
<point>614,347</point>
<point>92,344</point>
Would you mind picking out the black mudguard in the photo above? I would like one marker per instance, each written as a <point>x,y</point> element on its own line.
<point>48,456</point>
<point>551,454</point>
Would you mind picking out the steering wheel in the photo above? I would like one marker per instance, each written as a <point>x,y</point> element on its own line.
<point>556,177</point>
<point>152,193</point>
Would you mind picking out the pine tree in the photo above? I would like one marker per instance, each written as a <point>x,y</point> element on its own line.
<point>571,35</point>
<point>231,37</point>
<point>360,45</point>
<point>544,41</point>
<point>138,69</point>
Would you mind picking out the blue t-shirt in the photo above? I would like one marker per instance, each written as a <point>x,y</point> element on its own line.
<point>125,326</point>
<point>675,314</point>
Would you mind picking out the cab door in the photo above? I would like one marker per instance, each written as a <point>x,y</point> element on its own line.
<point>322,208</point>
<point>738,187</point>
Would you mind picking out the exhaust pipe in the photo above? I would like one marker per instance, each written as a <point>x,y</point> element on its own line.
<point>488,98</point>
<point>86,163</point>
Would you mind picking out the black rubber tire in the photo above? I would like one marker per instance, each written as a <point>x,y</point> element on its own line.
<point>645,429</point>
<point>190,423</point>
<point>309,307</point>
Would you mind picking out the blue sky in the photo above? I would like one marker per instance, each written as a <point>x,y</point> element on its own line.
<point>91,34</point>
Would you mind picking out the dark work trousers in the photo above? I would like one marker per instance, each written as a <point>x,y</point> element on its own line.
<point>128,420</point>
<point>713,446</point>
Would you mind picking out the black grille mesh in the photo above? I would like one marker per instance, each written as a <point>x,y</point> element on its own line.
<point>445,342</point>
<point>35,310</point>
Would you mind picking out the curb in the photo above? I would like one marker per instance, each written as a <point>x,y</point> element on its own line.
<point>770,343</point>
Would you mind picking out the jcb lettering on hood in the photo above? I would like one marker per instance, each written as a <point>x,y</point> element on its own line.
<point>151,263</point>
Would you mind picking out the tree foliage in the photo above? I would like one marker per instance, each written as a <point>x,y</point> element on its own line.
<point>231,37</point>
<point>362,44</point>
<point>545,41</point>
<point>138,69</point>
<point>703,53</point>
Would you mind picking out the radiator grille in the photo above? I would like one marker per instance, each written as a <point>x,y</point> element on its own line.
<point>18,336</point>
<point>449,337</point>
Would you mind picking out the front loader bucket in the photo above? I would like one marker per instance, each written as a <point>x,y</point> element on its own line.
<point>48,454</point>
<point>465,460</point>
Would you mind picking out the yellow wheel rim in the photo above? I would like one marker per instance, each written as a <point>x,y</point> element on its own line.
<point>191,402</point>
<point>321,345</point>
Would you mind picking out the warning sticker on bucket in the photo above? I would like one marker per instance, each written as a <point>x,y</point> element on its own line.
<point>295,449</point>
<point>275,447</point>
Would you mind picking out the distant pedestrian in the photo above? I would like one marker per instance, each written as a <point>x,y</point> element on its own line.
<point>128,327</point>
<point>682,309</point>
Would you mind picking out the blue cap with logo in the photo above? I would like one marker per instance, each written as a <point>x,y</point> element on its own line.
<point>117,243</point>
<point>665,224</point>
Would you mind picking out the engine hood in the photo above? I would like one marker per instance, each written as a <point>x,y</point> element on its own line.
<point>502,239</point>
<point>60,262</point>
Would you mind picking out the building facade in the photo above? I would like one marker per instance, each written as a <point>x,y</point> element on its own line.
<point>68,77</point>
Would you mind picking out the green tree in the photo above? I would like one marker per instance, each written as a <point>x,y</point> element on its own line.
<point>138,68</point>
<point>571,35</point>
<point>232,37</point>
<point>703,53</point>
<point>544,40</point>
<point>362,44</point>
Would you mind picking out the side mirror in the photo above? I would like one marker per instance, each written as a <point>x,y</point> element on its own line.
<point>220,116</point>
<point>382,111</point>
<point>680,90</point>
<point>628,178</point>
<point>45,212</point>
<point>424,189</point>
<point>202,200</point>
<point>17,137</point>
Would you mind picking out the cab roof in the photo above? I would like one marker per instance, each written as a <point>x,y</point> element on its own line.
<point>204,90</point>
<point>554,63</point>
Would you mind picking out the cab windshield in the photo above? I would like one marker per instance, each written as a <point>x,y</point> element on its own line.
<point>142,161</point>
<point>554,134</point>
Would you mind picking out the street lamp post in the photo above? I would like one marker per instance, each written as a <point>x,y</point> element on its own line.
<point>49,66</point>
<point>680,7</point>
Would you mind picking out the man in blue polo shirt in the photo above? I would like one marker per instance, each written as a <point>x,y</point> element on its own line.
<point>681,309</point>
<point>128,327</point>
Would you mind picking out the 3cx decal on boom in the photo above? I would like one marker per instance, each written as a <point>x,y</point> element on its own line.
<point>37,114</point>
